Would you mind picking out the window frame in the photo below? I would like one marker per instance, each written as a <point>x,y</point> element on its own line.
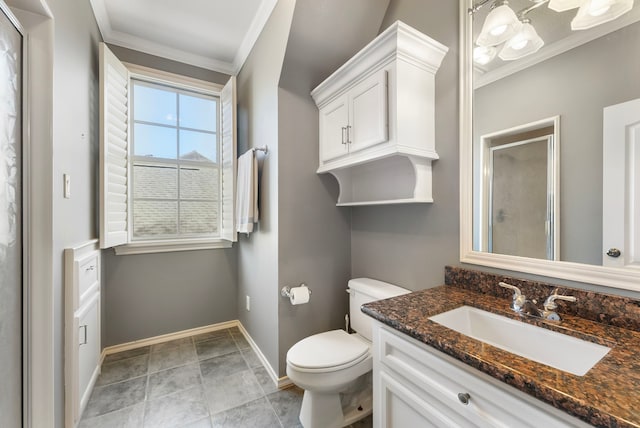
<point>148,246</point>
<point>177,163</point>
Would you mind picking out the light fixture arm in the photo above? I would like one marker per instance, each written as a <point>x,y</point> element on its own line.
<point>476,7</point>
<point>522,13</point>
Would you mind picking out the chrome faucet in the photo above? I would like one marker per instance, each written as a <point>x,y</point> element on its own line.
<point>520,303</point>
<point>524,306</point>
<point>550,305</point>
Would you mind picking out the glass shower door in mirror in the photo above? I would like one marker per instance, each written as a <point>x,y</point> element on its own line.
<point>516,190</point>
<point>10,222</point>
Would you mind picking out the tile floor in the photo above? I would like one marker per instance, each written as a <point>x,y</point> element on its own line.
<point>210,380</point>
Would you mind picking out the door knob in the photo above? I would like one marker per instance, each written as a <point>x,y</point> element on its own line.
<point>613,252</point>
<point>464,397</point>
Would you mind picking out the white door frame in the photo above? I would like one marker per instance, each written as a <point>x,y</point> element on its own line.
<point>621,185</point>
<point>38,333</point>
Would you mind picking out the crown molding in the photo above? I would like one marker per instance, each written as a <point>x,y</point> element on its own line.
<point>250,38</point>
<point>149,47</point>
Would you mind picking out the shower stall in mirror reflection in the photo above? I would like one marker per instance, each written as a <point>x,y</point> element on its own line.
<point>516,191</point>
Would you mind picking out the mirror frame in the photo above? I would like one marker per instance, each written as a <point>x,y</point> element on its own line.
<point>621,278</point>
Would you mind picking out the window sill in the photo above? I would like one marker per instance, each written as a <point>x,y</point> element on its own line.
<point>150,247</point>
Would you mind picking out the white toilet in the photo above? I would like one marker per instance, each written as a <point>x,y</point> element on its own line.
<point>334,367</point>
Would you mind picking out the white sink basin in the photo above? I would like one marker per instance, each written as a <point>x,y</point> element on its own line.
<point>544,346</point>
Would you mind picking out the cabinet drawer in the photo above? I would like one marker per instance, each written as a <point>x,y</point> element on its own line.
<point>434,375</point>
<point>88,272</point>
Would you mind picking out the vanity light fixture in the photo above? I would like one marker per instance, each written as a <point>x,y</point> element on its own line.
<point>499,26</point>
<point>596,12</point>
<point>503,25</point>
<point>484,54</point>
<point>525,42</point>
<point>562,5</point>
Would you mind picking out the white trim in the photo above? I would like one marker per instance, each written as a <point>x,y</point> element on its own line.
<point>165,77</point>
<point>39,372</point>
<point>152,48</point>
<point>168,337</point>
<point>589,274</point>
<point>261,357</point>
<point>282,382</point>
<point>255,28</point>
<point>147,46</point>
<point>148,247</point>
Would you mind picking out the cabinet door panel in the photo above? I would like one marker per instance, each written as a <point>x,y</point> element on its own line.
<point>88,342</point>
<point>401,408</point>
<point>368,115</point>
<point>334,118</point>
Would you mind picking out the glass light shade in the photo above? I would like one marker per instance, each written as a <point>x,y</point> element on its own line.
<point>596,12</point>
<point>501,24</point>
<point>525,42</point>
<point>483,55</point>
<point>562,5</point>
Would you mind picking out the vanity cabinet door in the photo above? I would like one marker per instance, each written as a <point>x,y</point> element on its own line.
<point>368,115</point>
<point>334,119</point>
<point>87,344</point>
<point>416,381</point>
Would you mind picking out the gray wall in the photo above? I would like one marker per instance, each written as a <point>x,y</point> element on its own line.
<point>75,148</point>
<point>314,234</point>
<point>257,126</point>
<point>576,85</point>
<point>147,295</point>
<point>409,245</point>
<point>314,245</point>
<point>196,288</point>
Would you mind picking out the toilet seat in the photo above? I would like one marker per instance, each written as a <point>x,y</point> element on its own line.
<point>328,351</point>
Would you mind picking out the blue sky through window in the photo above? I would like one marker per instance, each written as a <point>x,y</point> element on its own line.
<point>157,107</point>
<point>154,104</point>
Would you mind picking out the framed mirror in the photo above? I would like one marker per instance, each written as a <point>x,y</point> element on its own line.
<point>575,65</point>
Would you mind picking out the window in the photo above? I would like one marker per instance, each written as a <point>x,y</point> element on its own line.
<point>167,160</point>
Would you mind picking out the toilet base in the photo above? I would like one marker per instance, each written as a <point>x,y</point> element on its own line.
<point>324,411</point>
<point>336,410</point>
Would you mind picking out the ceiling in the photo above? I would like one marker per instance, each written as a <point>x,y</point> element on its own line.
<point>213,34</point>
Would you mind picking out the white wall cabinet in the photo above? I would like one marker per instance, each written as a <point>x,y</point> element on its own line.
<point>416,385</point>
<point>355,120</point>
<point>82,327</point>
<point>376,119</point>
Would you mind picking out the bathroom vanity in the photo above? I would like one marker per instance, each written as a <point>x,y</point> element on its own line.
<point>426,374</point>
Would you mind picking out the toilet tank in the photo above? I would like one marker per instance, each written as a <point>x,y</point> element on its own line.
<point>365,290</point>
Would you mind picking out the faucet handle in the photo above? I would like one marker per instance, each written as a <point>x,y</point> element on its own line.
<point>518,298</point>
<point>550,303</point>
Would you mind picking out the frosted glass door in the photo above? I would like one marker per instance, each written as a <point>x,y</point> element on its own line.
<point>10,224</point>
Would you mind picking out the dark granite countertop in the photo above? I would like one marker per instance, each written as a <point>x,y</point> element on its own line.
<point>608,395</point>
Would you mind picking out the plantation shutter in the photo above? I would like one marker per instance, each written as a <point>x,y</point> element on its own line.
<point>228,159</point>
<point>114,149</point>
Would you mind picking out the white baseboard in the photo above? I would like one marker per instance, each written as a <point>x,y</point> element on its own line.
<point>282,382</point>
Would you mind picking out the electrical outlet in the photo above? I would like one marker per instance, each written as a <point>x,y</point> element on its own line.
<point>248,303</point>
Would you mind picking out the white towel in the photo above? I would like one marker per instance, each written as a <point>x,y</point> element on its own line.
<point>247,193</point>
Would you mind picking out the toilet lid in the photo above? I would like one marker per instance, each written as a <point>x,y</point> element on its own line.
<point>325,350</point>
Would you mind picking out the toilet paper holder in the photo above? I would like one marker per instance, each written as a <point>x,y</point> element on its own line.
<point>286,291</point>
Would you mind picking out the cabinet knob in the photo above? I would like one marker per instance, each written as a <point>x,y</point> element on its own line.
<point>464,397</point>
<point>613,252</point>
